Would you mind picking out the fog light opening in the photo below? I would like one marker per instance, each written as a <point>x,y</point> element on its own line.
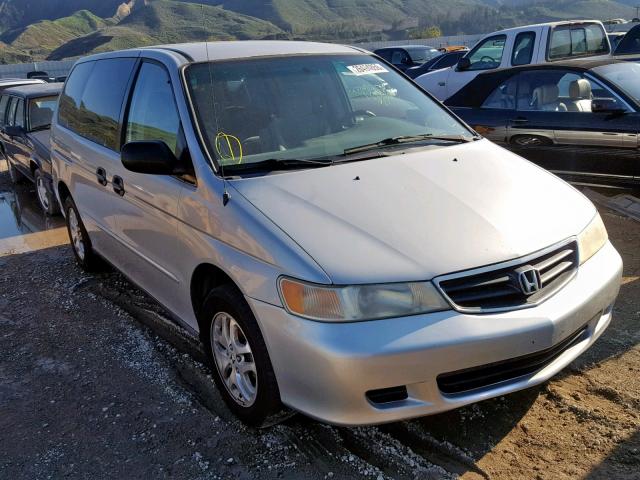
<point>387,395</point>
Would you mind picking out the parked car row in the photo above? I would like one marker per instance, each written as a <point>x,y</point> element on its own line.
<point>25,120</point>
<point>556,94</point>
<point>578,119</point>
<point>341,242</point>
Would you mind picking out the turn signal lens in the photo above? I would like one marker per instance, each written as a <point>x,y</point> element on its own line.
<point>359,302</point>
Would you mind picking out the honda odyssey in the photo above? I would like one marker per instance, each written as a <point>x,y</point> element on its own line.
<point>341,242</point>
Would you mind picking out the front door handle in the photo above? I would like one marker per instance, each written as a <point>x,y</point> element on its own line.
<point>101,175</point>
<point>118,185</point>
<point>519,120</point>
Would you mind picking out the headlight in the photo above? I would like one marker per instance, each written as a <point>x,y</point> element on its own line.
<point>592,239</point>
<point>362,302</point>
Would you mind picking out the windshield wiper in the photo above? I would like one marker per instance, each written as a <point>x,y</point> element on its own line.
<point>408,139</point>
<point>273,164</point>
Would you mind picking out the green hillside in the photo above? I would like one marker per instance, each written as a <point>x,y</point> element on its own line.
<point>57,29</point>
<point>166,21</point>
<point>40,38</point>
<point>15,14</point>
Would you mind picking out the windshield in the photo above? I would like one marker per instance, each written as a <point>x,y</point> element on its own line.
<point>421,55</point>
<point>307,107</point>
<point>41,111</point>
<point>624,75</point>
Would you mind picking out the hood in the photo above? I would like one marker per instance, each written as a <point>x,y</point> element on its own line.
<point>422,214</point>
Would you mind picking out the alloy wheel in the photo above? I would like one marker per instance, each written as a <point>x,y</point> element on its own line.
<point>234,359</point>
<point>42,193</point>
<point>76,234</point>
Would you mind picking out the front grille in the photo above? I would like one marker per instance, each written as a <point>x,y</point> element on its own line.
<point>492,373</point>
<point>499,287</point>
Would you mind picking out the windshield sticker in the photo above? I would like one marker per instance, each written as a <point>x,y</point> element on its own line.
<point>367,69</point>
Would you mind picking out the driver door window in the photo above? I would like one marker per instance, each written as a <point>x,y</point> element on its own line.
<point>488,55</point>
<point>153,114</point>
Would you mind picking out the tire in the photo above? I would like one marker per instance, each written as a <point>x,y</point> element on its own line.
<point>46,198</point>
<point>86,257</point>
<point>227,303</point>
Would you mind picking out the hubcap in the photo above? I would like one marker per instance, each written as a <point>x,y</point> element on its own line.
<point>234,359</point>
<point>76,234</point>
<point>42,193</point>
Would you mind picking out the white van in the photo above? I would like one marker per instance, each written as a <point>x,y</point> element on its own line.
<point>531,44</point>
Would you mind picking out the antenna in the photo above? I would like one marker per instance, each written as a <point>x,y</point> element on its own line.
<point>225,195</point>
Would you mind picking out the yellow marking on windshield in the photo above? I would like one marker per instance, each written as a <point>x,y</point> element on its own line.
<point>231,157</point>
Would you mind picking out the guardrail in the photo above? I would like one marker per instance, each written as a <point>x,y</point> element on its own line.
<point>20,70</point>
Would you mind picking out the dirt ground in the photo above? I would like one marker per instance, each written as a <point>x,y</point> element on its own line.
<point>95,383</point>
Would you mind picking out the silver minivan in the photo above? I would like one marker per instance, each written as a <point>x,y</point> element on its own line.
<point>340,241</point>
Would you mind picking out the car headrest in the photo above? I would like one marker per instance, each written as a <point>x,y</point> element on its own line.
<point>546,94</point>
<point>579,89</point>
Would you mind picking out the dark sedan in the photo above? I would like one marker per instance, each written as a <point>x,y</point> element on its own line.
<point>25,120</point>
<point>407,56</point>
<point>445,60</point>
<point>579,119</point>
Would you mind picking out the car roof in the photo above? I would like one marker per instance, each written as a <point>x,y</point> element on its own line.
<point>547,24</point>
<point>404,47</point>
<point>237,49</point>
<point>35,90</point>
<point>586,63</point>
<point>20,81</point>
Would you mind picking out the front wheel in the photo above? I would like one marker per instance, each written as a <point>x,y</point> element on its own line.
<point>239,357</point>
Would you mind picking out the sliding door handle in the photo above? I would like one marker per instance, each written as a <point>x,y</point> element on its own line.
<point>118,185</point>
<point>101,175</point>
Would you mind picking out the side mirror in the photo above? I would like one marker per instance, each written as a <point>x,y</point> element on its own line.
<point>606,105</point>
<point>464,63</point>
<point>13,130</point>
<point>152,157</point>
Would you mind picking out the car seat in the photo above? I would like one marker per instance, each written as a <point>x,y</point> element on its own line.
<point>580,96</point>
<point>546,98</point>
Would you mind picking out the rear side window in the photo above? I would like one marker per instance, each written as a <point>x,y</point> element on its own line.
<point>19,120</point>
<point>153,114</point>
<point>71,98</point>
<point>92,101</point>
<point>11,114</point>
<point>577,41</point>
<point>4,102</point>
<point>523,48</point>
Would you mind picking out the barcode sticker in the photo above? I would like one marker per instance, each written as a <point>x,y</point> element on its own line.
<point>367,69</point>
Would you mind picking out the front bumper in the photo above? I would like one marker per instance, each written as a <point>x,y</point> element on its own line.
<point>325,369</point>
